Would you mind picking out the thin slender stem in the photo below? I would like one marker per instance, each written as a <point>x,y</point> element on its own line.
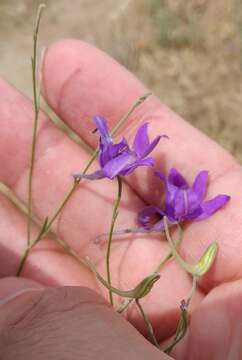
<point>23,260</point>
<point>193,289</point>
<point>129,112</point>
<point>180,331</point>
<point>76,183</point>
<point>63,204</point>
<point>148,325</point>
<point>183,321</point>
<point>123,306</point>
<point>108,253</point>
<point>177,242</point>
<point>36,117</point>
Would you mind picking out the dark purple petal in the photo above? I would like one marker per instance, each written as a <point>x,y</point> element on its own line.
<point>115,166</point>
<point>101,125</point>
<point>195,214</point>
<point>110,151</point>
<point>176,179</point>
<point>152,145</point>
<point>142,145</point>
<point>211,206</point>
<point>141,140</point>
<point>147,215</point>
<point>200,184</point>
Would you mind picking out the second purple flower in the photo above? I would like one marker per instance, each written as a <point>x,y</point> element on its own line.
<point>183,202</point>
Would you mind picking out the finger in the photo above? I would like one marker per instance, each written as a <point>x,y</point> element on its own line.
<point>71,323</point>
<point>215,327</point>
<point>57,158</point>
<point>87,82</point>
<point>45,261</point>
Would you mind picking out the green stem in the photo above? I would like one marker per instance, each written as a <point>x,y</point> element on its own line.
<point>180,331</point>
<point>108,253</point>
<point>23,260</point>
<point>123,306</point>
<point>204,263</point>
<point>177,242</point>
<point>193,289</point>
<point>123,119</point>
<point>140,290</point>
<point>148,325</point>
<point>183,321</point>
<point>36,117</point>
<point>76,183</point>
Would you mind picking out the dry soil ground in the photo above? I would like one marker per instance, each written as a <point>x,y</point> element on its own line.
<point>187,52</point>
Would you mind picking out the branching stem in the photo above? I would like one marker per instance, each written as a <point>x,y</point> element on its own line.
<point>36,117</point>
<point>148,324</point>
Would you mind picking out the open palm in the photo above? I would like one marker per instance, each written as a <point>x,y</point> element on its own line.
<point>79,82</point>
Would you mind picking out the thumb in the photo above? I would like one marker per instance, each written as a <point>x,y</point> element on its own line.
<point>64,323</point>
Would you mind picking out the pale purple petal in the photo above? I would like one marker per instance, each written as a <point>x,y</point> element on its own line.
<point>176,179</point>
<point>211,206</point>
<point>158,226</point>
<point>141,140</point>
<point>192,200</point>
<point>180,204</point>
<point>130,168</point>
<point>101,125</point>
<point>94,176</point>
<point>200,184</point>
<point>116,165</point>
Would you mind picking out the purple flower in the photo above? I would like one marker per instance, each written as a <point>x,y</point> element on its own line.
<point>182,201</point>
<point>119,159</point>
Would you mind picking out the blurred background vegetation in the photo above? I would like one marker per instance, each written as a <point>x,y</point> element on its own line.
<point>188,52</point>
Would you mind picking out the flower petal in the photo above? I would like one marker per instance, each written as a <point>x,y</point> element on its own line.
<point>115,166</point>
<point>101,125</point>
<point>130,168</point>
<point>93,176</point>
<point>152,145</point>
<point>176,179</point>
<point>200,184</point>
<point>211,206</point>
<point>141,140</point>
<point>147,215</point>
<point>110,151</point>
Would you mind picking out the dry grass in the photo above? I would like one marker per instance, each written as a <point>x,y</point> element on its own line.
<point>188,53</point>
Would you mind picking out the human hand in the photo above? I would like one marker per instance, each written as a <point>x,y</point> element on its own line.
<point>85,83</point>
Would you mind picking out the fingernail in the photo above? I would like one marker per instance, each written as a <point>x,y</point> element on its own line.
<point>16,294</point>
